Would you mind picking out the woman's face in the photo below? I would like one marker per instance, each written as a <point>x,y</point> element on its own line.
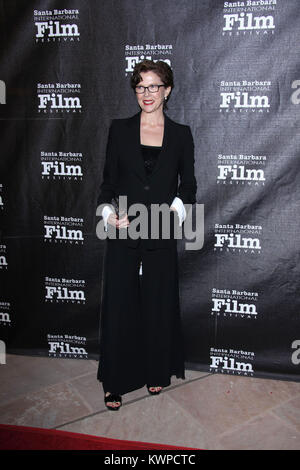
<point>151,102</point>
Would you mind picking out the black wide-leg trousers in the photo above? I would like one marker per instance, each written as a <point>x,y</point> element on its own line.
<point>141,340</point>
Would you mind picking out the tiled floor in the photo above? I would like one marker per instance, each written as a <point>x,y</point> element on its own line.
<point>205,411</point>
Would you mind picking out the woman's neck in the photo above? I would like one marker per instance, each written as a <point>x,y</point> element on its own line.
<point>152,119</point>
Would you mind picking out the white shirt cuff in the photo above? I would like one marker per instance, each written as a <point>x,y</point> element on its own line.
<point>179,206</point>
<point>106,211</point>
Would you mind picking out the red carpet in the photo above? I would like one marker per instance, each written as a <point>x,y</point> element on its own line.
<point>28,438</point>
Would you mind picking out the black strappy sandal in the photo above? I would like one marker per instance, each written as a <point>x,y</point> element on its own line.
<point>114,398</point>
<point>152,392</point>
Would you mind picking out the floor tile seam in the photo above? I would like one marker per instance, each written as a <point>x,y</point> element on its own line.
<point>184,411</point>
<point>130,402</point>
<point>94,362</point>
<point>219,437</point>
<point>8,402</point>
<point>288,424</point>
<point>188,414</point>
<point>81,397</point>
<point>75,391</point>
<point>284,402</point>
<point>82,400</point>
<point>43,388</point>
<point>185,382</point>
<point>253,418</point>
<point>68,381</point>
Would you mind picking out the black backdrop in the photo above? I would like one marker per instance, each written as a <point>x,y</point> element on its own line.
<point>65,70</point>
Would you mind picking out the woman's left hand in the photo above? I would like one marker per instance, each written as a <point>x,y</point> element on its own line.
<point>123,222</point>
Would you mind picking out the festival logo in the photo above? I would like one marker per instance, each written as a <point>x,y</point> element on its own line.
<point>60,229</point>
<point>67,346</point>
<point>231,361</point>
<point>232,303</point>
<point>250,18</point>
<point>245,96</point>
<point>5,314</point>
<point>61,290</point>
<point>59,98</point>
<point>238,238</point>
<point>61,166</point>
<point>241,170</point>
<point>56,26</point>
<point>137,53</point>
<point>3,257</point>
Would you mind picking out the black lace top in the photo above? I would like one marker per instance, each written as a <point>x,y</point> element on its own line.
<point>150,154</point>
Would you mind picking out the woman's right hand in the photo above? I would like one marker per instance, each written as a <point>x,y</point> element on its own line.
<point>118,223</point>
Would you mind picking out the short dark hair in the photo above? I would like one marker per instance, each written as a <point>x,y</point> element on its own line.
<point>161,68</point>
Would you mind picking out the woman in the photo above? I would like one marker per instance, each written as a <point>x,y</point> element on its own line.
<point>141,337</point>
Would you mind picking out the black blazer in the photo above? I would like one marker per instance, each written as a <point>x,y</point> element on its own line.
<point>124,172</point>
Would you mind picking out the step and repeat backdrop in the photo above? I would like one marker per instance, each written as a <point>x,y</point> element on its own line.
<point>65,70</point>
